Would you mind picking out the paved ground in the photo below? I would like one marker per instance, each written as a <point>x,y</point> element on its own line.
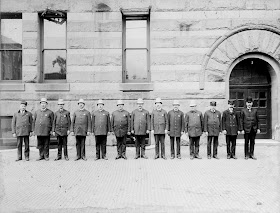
<point>155,186</point>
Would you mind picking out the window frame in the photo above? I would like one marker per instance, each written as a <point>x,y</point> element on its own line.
<point>42,49</point>
<point>134,16</point>
<point>10,16</point>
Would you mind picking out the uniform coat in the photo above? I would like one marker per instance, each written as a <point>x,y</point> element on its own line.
<point>81,122</point>
<point>175,123</point>
<point>120,123</point>
<point>194,123</point>
<point>140,121</point>
<point>159,121</point>
<point>212,122</point>
<point>101,124</point>
<point>61,122</point>
<point>230,122</point>
<point>249,120</point>
<point>43,121</point>
<point>22,123</point>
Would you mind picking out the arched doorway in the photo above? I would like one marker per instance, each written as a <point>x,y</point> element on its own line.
<point>251,77</point>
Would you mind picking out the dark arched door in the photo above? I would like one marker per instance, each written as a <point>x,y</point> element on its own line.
<point>251,77</point>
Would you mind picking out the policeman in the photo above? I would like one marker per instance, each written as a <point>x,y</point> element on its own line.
<point>231,128</point>
<point>176,128</point>
<point>61,129</point>
<point>100,128</point>
<point>194,128</point>
<point>42,124</point>
<point>212,128</point>
<point>81,127</point>
<point>159,127</point>
<point>140,126</point>
<point>250,126</point>
<point>22,129</point>
<point>120,124</point>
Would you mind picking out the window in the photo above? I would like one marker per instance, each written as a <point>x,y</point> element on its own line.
<point>136,45</point>
<point>53,45</point>
<point>11,46</point>
<point>6,136</point>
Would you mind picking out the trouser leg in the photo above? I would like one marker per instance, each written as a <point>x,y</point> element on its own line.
<point>98,141</point>
<point>215,146</point>
<point>40,145</point>
<point>83,146</point>
<point>46,146</point>
<point>192,140</point>
<point>59,146</point>
<point>123,146</point>
<point>209,145</point>
<point>143,144</point>
<point>65,148</point>
<point>19,147</point>
<point>196,144</point>
<point>78,146</point>
<point>178,146</point>
<point>137,145</point>
<point>103,146</point>
<point>119,145</point>
<point>228,139</point>
<point>252,142</point>
<point>233,145</point>
<point>26,146</point>
<point>246,144</point>
<point>157,145</point>
<point>172,147</point>
<point>162,144</point>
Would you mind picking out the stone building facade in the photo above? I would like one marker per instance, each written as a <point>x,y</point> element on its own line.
<point>203,50</point>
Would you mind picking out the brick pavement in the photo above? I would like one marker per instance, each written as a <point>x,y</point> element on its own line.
<point>142,185</point>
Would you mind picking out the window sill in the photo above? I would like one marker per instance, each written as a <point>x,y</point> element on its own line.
<point>52,87</point>
<point>12,86</point>
<point>136,87</point>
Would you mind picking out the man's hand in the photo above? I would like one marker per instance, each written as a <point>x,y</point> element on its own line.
<point>148,131</point>
<point>224,132</point>
<point>258,131</point>
<point>128,133</point>
<point>242,132</point>
<point>72,133</point>
<point>53,133</point>
<point>88,133</point>
<point>113,133</point>
<point>31,134</point>
<point>14,135</point>
<point>182,133</point>
<point>68,132</point>
<point>132,131</point>
<point>206,133</point>
<point>152,131</point>
<point>166,131</point>
<point>238,132</point>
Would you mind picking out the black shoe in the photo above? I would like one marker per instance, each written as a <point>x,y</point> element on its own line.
<point>163,157</point>
<point>47,159</point>
<point>179,156</point>
<point>216,157</point>
<point>198,157</point>
<point>77,159</point>
<point>191,157</point>
<point>144,156</point>
<point>228,157</point>
<point>27,159</point>
<point>57,159</point>
<point>118,157</point>
<point>124,157</point>
<point>172,157</point>
<point>105,158</point>
<point>96,159</point>
<point>18,159</point>
<point>234,157</point>
<point>66,158</point>
<point>209,157</point>
<point>41,158</point>
<point>156,157</point>
<point>84,158</point>
<point>254,158</point>
<point>246,158</point>
<point>136,157</point>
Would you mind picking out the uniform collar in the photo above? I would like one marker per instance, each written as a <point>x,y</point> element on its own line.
<point>43,110</point>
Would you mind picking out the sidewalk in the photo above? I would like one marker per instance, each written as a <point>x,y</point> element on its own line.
<point>141,185</point>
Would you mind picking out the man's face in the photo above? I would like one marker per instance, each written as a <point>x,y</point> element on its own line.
<point>22,106</point>
<point>230,106</point>
<point>158,105</point>
<point>81,105</point>
<point>61,106</point>
<point>120,107</point>
<point>176,107</point>
<point>193,108</point>
<point>140,106</point>
<point>213,107</point>
<point>100,107</point>
<point>43,105</point>
<point>249,104</point>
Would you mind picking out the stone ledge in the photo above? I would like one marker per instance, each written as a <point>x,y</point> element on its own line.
<point>136,87</point>
<point>52,87</point>
<point>12,87</point>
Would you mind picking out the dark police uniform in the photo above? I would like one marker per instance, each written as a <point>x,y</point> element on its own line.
<point>194,127</point>
<point>42,125</point>
<point>100,127</point>
<point>62,124</point>
<point>159,123</point>
<point>81,124</point>
<point>22,126</point>
<point>212,125</point>
<point>140,123</point>
<point>175,127</point>
<point>230,123</point>
<point>249,121</point>
<point>120,124</point>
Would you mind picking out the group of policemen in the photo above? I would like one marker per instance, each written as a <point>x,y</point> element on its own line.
<point>175,123</point>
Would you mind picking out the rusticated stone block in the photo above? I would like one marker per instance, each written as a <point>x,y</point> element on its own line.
<point>108,77</point>
<point>82,76</point>
<point>29,59</point>
<point>175,5</point>
<point>176,59</point>
<point>30,25</point>
<point>81,6</point>
<point>81,26</point>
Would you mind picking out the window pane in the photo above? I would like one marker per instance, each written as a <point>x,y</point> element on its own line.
<point>262,103</point>
<point>240,95</point>
<point>5,127</point>
<point>255,103</point>
<point>136,34</point>
<point>262,94</point>
<point>55,64</point>
<point>11,33</point>
<point>241,103</point>
<point>11,65</point>
<point>54,35</point>
<point>136,65</point>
